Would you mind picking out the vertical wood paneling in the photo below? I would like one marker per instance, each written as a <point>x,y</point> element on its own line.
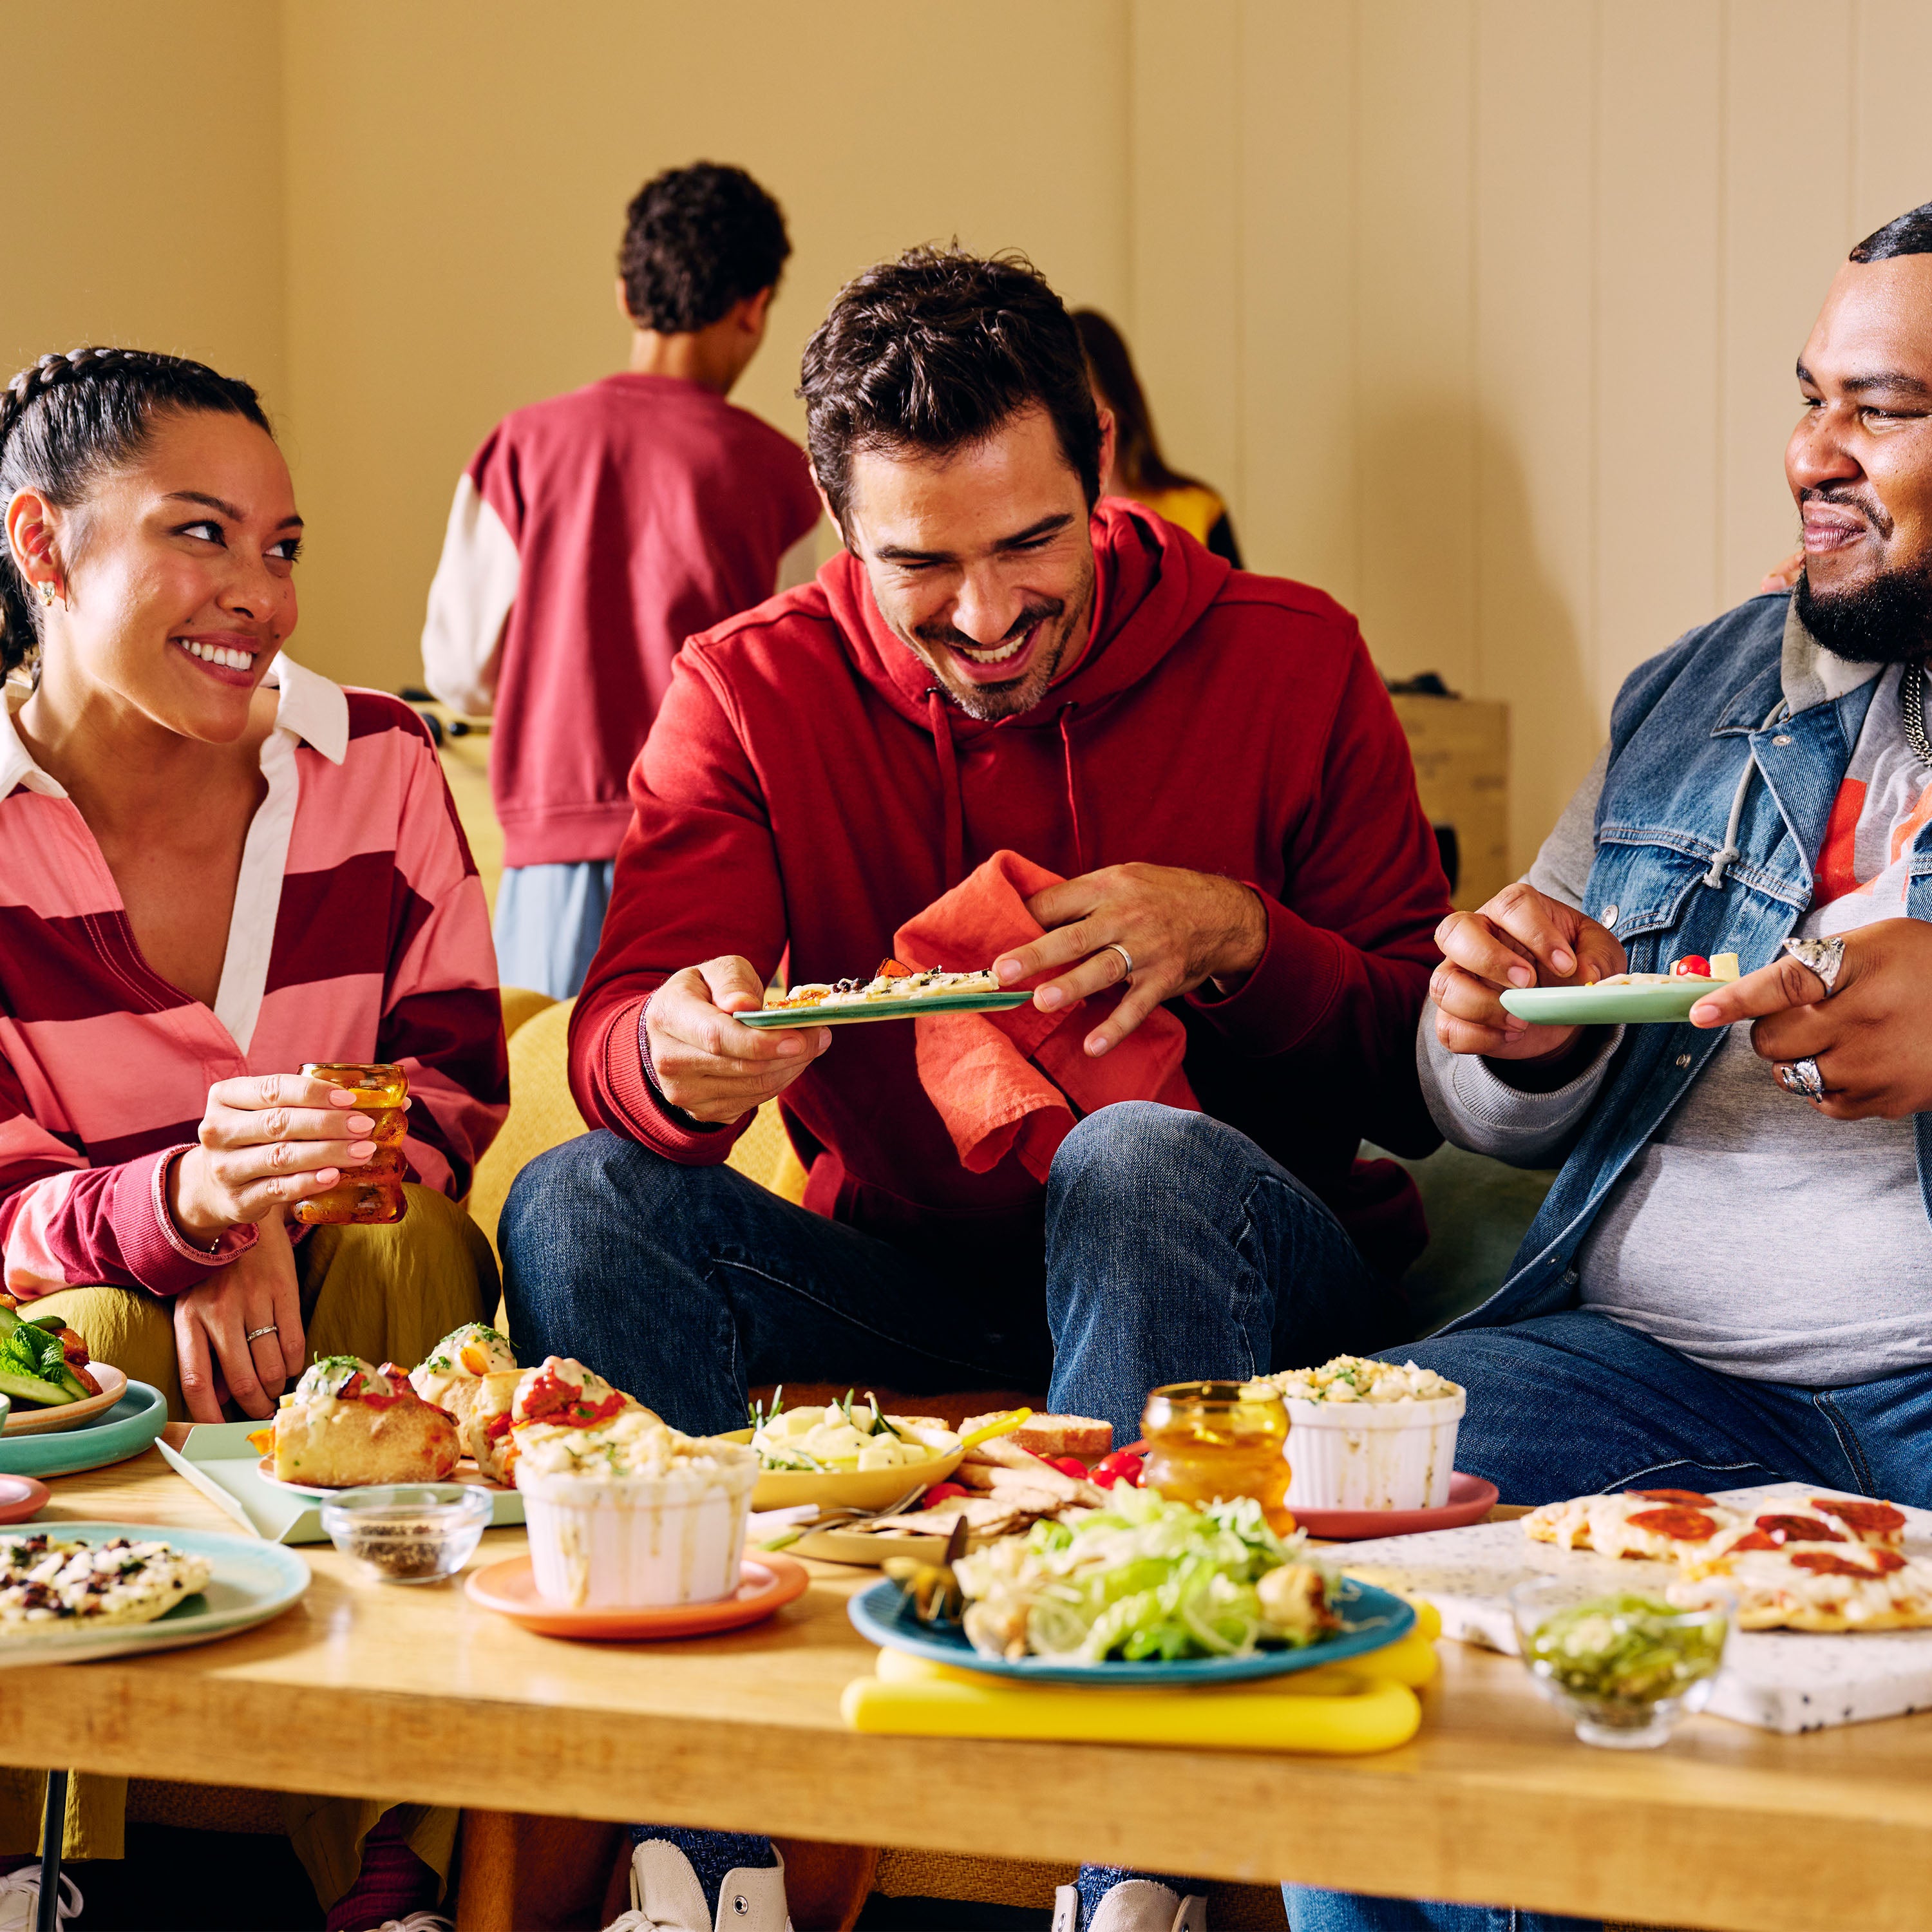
<point>1660,133</point>
<point>1188,256</point>
<point>1296,488</point>
<point>1534,200</point>
<point>1415,492</point>
<point>1786,171</point>
<point>1893,153</point>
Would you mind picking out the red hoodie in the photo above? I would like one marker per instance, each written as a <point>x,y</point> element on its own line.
<point>804,788</point>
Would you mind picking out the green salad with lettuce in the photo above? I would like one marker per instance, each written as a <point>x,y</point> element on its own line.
<point>1627,1651</point>
<point>33,1362</point>
<point>1145,1578</point>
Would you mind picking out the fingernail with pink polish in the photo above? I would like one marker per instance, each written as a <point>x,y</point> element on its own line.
<point>360,1150</point>
<point>359,1124</point>
<point>342,1097</point>
<point>327,1176</point>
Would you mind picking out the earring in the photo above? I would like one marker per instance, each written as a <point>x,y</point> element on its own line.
<point>46,591</point>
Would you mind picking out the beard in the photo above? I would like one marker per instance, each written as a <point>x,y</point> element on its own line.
<point>988,703</point>
<point>1887,620</point>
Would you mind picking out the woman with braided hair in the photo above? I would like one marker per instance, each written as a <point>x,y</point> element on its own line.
<point>215,866</point>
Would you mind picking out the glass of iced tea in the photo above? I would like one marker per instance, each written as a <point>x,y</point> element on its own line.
<point>1210,1442</point>
<point>373,1193</point>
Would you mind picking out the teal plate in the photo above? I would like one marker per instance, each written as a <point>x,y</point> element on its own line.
<point>127,1428</point>
<point>885,1009</point>
<point>252,1581</point>
<point>1372,1617</point>
<point>1608,1006</point>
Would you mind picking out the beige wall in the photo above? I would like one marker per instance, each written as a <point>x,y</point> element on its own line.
<point>145,203</point>
<point>455,206</point>
<point>1483,312</point>
<point>1480,312</point>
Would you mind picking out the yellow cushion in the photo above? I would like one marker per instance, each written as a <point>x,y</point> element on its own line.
<point>543,1115</point>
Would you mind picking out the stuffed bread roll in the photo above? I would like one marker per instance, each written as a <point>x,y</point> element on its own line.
<point>348,1423</point>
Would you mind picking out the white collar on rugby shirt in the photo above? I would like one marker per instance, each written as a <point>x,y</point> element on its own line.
<point>309,707</point>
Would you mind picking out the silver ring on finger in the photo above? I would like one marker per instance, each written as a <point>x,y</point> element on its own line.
<point>255,1334</point>
<point>1802,1078</point>
<point>1126,958</point>
<point>1824,957</point>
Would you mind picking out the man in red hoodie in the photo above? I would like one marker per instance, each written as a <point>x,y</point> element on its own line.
<point>997,662</point>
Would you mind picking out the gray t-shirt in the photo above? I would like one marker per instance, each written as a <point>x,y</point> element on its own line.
<point>1756,1236</point>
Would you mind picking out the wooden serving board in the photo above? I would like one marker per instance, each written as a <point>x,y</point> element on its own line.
<point>1786,1680</point>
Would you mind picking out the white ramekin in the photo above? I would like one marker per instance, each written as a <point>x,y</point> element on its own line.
<point>1372,1455</point>
<point>627,1541</point>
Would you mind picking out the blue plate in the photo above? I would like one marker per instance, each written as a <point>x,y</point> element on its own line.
<point>1373,1617</point>
<point>251,1581</point>
<point>127,1428</point>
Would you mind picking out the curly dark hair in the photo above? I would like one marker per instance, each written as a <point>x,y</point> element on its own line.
<point>1907,234</point>
<point>67,421</point>
<point>696,240</point>
<point>938,350</point>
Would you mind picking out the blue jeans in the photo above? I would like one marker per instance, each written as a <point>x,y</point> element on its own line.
<point>1570,1404</point>
<point>1173,1249</point>
<point>549,919</point>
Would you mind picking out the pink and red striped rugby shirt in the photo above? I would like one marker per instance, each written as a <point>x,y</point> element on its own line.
<point>359,933</point>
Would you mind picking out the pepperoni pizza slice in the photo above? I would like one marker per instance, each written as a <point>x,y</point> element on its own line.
<point>1862,1519</point>
<point>1661,1525</point>
<point>1811,1586</point>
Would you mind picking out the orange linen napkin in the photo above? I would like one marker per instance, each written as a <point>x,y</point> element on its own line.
<point>1016,1081</point>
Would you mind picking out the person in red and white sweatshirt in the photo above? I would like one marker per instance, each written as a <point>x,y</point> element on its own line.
<point>591,534</point>
<point>999,660</point>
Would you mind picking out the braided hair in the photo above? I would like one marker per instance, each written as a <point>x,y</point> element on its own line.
<point>66,422</point>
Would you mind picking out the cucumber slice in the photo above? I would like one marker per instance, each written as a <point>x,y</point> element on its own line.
<point>30,1388</point>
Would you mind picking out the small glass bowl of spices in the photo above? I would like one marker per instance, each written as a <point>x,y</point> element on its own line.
<point>411,1532</point>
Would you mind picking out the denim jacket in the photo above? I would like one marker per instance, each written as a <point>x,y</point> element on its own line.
<point>1713,811</point>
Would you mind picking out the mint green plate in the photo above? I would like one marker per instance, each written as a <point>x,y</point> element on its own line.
<point>127,1428</point>
<point>885,1009</point>
<point>1608,1006</point>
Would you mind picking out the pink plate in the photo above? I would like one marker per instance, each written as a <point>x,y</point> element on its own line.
<point>21,1497</point>
<point>1470,1500</point>
<point>510,1588</point>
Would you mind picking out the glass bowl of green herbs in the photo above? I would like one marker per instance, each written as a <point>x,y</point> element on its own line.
<point>1626,1667</point>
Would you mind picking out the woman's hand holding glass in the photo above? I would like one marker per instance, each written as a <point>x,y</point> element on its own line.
<point>266,1141</point>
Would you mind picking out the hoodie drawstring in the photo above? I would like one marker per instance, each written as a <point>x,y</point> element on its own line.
<point>1722,862</point>
<point>953,811</point>
<point>1073,787</point>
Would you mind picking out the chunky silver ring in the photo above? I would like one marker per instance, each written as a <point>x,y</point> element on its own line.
<point>255,1334</point>
<point>1801,1077</point>
<point>1126,957</point>
<point>1824,957</point>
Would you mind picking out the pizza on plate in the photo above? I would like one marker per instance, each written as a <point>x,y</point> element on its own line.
<point>1812,1586</point>
<point>47,1584</point>
<point>1662,1524</point>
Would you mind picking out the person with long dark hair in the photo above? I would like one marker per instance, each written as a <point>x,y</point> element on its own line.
<point>216,866</point>
<point>1139,470</point>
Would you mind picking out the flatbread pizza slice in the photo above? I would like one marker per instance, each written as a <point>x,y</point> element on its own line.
<point>1863,1519</point>
<point>1660,1526</point>
<point>1813,1587</point>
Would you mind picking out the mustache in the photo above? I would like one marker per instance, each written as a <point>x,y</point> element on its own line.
<point>1849,496</point>
<point>1034,613</point>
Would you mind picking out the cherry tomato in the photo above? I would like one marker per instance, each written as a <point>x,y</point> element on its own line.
<point>1692,966</point>
<point>942,1492</point>
<point>1067,1465</point>
<point>1103,1478</point>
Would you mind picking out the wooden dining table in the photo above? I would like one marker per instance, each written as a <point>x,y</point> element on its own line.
<point>418,1693</point>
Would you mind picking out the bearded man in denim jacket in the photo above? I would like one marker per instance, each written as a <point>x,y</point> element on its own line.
<point>1731,1281</point>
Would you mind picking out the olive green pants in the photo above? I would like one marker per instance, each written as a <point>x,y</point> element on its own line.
<point>385,1293</point>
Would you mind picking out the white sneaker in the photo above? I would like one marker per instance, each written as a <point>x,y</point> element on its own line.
<point>667,1897</point>
<point>1134,1905</point>
<point>20,1900</point>
<point>418,1921</point>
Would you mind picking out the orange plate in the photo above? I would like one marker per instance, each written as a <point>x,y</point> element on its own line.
<point>769,1580</point>
<point>21,1497</point>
